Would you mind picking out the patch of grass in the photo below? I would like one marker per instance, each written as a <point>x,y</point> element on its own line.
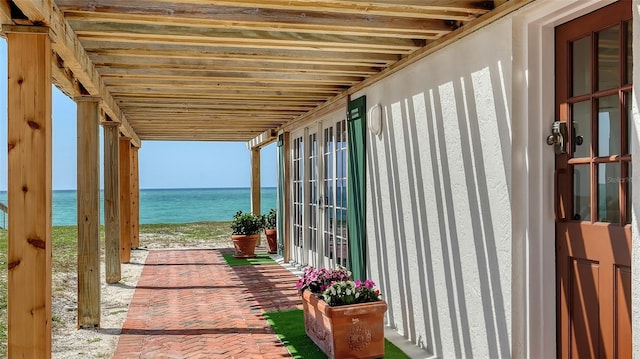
<point>197,230</point>
<point>94,340</point>
<point>118,312</point>
<point>262,258</point>
<point>289,326</point>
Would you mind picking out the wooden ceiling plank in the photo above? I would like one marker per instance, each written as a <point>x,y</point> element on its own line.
<point>226,65</point>
<point>181,51</point>
<point>225,86</point>
<point>67,46</point>
<point>422,10</point>
<point>213,16</point>
<point>327,79</point>
<point>308,42</point>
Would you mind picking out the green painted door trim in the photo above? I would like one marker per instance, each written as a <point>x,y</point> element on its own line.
<point>280,193</point>
<point>356,187</point>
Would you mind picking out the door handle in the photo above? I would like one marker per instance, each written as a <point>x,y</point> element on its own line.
<point>558,136</point>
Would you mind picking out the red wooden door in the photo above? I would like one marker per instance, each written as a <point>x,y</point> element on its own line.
<point>593,191</point>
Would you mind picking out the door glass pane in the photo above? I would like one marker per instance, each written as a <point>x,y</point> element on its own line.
<point>581,193</point>
<point>629,40</point>
<point>629,111</point>
<point>608,126</point>
<point>628,193</point>
<point>608,58</point>
<point>581,117</point>
<point>608,190</point>
<point>581,71</point>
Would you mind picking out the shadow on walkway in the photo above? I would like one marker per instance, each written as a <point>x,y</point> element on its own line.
<point>190,304</point>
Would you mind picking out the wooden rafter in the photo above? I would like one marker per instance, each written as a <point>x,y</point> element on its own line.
<point>235,69</point>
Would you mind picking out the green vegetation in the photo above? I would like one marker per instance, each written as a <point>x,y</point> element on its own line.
<point>246,223</point>
<point>289,326</point>
<point>261,258</point>
<point>198,230</point>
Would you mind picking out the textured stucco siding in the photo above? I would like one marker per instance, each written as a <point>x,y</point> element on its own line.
<point>439,197</point>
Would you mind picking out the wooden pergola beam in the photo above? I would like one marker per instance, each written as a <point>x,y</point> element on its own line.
<point>66,44</point>
<point>263,139</point>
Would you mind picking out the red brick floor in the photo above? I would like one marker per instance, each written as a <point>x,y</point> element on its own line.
<point>190,304</point>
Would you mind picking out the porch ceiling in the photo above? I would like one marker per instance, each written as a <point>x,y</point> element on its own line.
<point>231,70</point>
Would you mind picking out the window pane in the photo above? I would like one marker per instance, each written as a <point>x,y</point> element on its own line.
<point>628,193</point>
<point>629,40</point>
<point>581,70</point>
<point>629,111</point>
<point>581,193</point>
<point>608,126</point>
<point>581,113</point>
<point>608,58</point>
<point>608,190</point>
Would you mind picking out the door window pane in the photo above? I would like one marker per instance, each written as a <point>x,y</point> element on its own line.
<point>581,71</point>
<point>608,192</point>
<point>629,41</point>
<point>629,122</point>
<point>628,193</point>
<point>608,58</point>
<point>581,193</point>
<point>581,117</point>
<point>609,126</point>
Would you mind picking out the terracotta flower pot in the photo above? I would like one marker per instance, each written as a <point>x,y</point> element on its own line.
<point>348,331</point>
<point>272,240</point>
<point>245,245</point>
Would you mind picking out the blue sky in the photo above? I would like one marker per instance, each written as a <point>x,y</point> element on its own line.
<point>162,164</point>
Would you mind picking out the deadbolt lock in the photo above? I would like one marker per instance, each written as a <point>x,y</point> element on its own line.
<point>557,137</point>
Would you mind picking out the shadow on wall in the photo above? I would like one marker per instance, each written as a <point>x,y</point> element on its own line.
<point>440,216</point>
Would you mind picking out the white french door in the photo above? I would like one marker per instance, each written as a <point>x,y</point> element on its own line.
<point>297,186</point>
<point>334,195</point>
<point>319,179</point>
<point>312,203</point>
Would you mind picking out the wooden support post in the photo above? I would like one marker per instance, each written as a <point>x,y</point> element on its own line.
<point>255,184</point>
<point>255,180</point>
<point>125,199</point>
<point>29,191</point>
<point>135,199</point>
<point>88,212</point>
<point>286,236</point>
<point>112,202</point>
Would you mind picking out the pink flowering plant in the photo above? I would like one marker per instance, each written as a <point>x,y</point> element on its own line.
<point>336,288</point>
<point>317,280</point>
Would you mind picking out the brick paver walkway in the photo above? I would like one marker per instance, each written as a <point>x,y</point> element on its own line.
<point>190,304</point>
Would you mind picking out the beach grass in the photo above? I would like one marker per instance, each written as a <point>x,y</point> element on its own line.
<point>64,256</point>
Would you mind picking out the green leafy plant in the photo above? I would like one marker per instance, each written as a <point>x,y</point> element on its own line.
<point>246,223</point>
<point>270,219</point>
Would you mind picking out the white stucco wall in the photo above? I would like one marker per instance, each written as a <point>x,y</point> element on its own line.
<point>439,197</point>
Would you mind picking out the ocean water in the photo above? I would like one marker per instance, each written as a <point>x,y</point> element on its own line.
<point>170,205</point>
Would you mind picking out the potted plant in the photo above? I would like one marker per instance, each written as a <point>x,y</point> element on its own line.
<point>270,223</point>
<point>345,318</point>
<point>245,229</point>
